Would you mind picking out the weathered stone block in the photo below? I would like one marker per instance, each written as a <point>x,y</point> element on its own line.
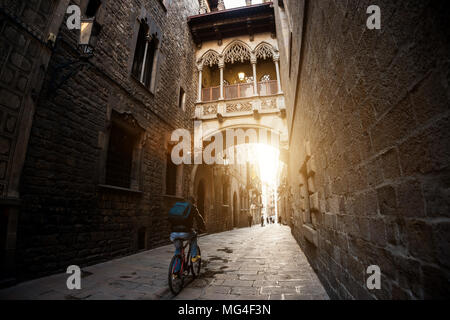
<point>314,202</point>
<point>378,232</point>
<point>387,200</point>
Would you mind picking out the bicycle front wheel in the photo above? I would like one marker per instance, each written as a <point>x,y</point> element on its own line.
<point>197,265</point>
<point>176,278</point>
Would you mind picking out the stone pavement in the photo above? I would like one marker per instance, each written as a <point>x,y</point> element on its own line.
<point>249,263</point>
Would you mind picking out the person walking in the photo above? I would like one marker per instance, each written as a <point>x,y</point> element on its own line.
<point>262,221</point>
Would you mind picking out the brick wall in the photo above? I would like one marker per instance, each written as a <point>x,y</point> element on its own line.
<point>371,109</point>
<point>66,217</point>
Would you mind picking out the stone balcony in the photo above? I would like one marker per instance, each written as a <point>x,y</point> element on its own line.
<point>250,106</point>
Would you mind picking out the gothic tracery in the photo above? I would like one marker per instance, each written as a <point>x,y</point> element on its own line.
<point>264,51</point>
<point>210,58</point>
<point>237,52</point>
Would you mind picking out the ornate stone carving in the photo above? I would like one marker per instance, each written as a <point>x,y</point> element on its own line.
<point>209,109</point>
<point>203,7</point>
<point>268,104</point>
<point>237,52</point>
<point>238,107</point>
<point>264,51</point>
<point>210,58</point>
<point>220,5</point>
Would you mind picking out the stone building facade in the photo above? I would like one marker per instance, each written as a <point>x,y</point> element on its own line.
<point>368,116</point>
<point>238,88</point>
<point>97,181</point>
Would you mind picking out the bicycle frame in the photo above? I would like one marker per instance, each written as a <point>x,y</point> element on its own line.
<point>184,259</point>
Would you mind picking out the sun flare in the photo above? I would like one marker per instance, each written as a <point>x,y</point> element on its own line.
<point>267,159</point>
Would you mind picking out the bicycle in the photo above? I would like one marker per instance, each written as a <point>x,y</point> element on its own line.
<point>176,279</point>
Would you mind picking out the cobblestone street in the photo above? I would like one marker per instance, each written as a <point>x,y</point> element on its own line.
<point>249,263</point>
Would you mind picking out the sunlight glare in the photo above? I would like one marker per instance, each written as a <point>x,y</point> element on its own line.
<point>238,3</point>
<point>267,158</point>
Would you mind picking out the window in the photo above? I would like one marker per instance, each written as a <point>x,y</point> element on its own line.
<point>123,152</point>
<point>182,99</point>
<point>171,176</point>
<point>145,56</point>
<point>265,77</point>
<point>120,156</point>
<point>92,8</point>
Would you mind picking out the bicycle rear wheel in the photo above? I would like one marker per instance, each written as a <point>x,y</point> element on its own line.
<point>196,266</point>
<point>176,279</point>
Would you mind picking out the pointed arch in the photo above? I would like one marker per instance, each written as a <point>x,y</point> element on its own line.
<point>264,50</point>
<point>237,51</point>
<point>210,58</point>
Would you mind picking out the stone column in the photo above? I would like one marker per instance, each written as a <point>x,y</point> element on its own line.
<point>255,80</point>
<point>221,66</point>
<point>200,68</point>
<point>277,68</point>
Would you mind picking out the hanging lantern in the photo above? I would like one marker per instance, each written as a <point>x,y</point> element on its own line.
<point>88,35</point>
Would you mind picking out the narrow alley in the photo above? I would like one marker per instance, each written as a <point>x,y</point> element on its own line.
<point>123,122</point>
<point>248,263</point>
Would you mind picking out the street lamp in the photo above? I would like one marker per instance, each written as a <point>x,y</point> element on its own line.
<point>88,35</point>
<point>63,72</point>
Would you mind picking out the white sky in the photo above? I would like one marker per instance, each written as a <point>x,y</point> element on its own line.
<point>238,3</point>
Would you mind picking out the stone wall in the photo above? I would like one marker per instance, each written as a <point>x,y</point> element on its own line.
<point>368,114</point>
<point>67,218</point>
<point>24,57</point>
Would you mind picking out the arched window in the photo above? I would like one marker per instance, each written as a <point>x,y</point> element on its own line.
<point>265,77</point>
<point>145,55</point>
